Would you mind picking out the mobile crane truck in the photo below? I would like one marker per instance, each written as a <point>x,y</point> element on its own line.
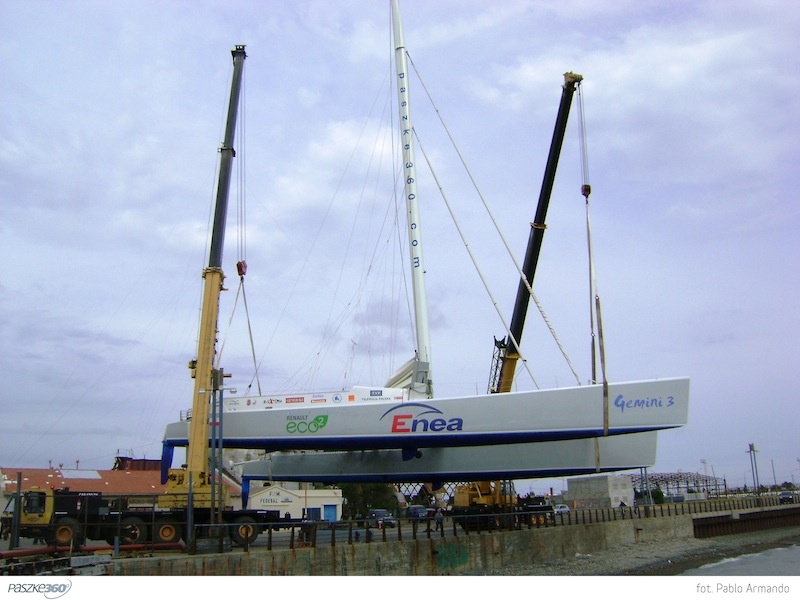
<point>62,517</point>
<point>193,496</point>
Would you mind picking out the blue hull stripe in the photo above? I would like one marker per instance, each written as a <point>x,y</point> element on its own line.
<point>416,441</point>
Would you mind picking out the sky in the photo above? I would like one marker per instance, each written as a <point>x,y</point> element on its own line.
<point>112,113</point>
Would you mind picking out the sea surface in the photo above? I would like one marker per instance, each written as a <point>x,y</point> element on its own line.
<point>777,561</point>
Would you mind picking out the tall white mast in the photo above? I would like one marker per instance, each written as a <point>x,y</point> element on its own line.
<point>421,378</point>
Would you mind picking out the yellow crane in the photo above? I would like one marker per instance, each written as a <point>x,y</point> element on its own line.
<point>207,379</point>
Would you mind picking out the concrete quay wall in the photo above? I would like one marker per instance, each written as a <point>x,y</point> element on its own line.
<point>451,555</point>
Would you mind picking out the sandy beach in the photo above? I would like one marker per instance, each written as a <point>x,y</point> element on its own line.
<point>665,557</point>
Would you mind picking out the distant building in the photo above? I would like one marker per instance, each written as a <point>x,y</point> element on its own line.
<point>135,477</point>
<point>600,491</point>
<point>301,501</point>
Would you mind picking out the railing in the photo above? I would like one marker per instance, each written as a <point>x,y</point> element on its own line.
<point>296,534</point>
<point>318,533</point>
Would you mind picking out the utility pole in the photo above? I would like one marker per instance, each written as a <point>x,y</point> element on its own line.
<point>753,465</point>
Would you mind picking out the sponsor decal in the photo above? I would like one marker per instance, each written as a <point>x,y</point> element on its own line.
<point>374,393</point>
<point>351,398</point>
<point>337,398</point>
<point>415,417</point>
<point>275,401</point>
<point>318,400</point>
<point>303,425</point>
<point>295,400</point>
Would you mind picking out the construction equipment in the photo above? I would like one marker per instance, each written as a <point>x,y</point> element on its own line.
<point>485,505</point>
<point>64,518</point>
<point>195,483</point>
<point>507,349</point>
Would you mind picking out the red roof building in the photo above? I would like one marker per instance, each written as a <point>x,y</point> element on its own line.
<point>111,482</point>
<point>129,477</point>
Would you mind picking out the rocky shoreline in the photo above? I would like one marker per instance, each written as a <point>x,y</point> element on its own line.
<point>663,557</point>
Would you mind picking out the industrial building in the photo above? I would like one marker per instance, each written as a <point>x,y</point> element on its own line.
<point>139,477</point>
<point>601,491</point>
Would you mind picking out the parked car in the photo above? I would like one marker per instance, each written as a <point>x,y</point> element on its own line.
<point>380,517</point>
<point>786,498</point>
<point>561,509</point>
<point>417,512</point>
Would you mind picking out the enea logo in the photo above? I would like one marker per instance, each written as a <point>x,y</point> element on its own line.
<point>415,417</point>
<point>303,426</point>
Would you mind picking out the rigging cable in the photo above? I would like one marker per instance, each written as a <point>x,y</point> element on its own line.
<point>505,242</point>
<point>472,257</point>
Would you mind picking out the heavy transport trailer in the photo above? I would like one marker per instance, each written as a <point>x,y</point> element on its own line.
<point>62,517</point>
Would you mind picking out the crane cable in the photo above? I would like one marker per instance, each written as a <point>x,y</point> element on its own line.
<point>241,238</point>
<point>594,303</point>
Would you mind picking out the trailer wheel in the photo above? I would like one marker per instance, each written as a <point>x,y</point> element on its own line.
<point>166,532</point>
<point>66,532</point>
<point>244,531</point>
<point>133,531</point>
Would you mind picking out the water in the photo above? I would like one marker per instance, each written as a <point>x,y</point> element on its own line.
<point>777,561</point>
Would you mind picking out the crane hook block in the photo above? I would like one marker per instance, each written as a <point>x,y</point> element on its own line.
<point>241,268</point>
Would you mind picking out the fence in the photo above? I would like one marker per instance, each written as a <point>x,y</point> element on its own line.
<point>149,530</point>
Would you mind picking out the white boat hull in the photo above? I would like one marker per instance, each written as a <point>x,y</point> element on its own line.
<point>319,422</point>
<point>511,461</point>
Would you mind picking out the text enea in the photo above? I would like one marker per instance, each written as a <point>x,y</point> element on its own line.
<point>411,424</point>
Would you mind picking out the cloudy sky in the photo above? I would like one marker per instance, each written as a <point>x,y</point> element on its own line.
<point>111,114</point>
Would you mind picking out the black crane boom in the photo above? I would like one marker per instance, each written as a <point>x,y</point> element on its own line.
<point>507,348</point>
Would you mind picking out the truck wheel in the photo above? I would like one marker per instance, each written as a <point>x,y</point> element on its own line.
<point>133,531</point>
<point>166,532</point>
<point>244,531</point>
<point>66,532</point>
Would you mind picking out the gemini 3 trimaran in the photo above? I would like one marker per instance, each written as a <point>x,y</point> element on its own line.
<point>401,431</point>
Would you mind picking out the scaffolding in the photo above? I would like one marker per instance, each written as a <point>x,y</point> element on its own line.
<point>680,483</point>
